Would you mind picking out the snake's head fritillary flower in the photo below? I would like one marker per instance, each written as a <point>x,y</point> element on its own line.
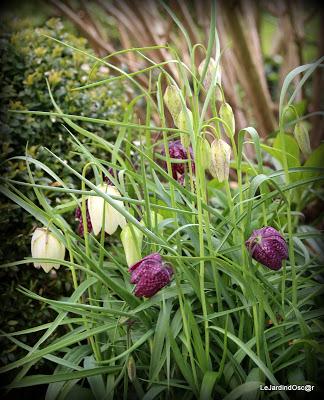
<point>107,179</point>
<point>150,275</point>
<point>45,245</point>
<point>112,218</point>
<point>78,217</point>
<point>220,159</point>
<point>178,152</point>
<point>268,247</point>
<point>78,212</point>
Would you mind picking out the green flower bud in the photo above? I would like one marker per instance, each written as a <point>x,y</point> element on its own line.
<point>226,113</point>
<point>132,238</point>
<point>131,369</point>
<point>172,100</point>
<point>302,138</point>
<point>220,159</point>
<point>182,124</point>
<point>212,70</point>
<point>204,152</point>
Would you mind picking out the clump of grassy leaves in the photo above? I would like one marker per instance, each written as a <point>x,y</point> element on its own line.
<point>225,325</point>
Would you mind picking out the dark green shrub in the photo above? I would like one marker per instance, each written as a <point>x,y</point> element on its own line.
<point>28,57</point>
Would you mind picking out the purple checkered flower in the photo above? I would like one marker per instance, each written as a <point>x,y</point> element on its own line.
<point>78,217</point>
<point>268,247</point>
<point>177,151</point>
<point>150,275</point>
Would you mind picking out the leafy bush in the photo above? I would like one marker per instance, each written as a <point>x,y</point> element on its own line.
<point>28,57</point>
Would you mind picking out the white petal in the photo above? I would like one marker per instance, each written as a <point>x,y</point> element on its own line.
<point>47,267</point>
<point>95,207</point>
<point>54,248</point>
<point>38,243</point>
<point>45,245</point>
<point>114,217</point>
<point>111,220</point>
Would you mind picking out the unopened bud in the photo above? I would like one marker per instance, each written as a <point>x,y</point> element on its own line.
<point>172,100</point>
<point>220,159</point>
<point>212,70</point>
<point>131,369</point>
<point>302,138</point>
<point>226,114</point>
<point>204,152</point>
<point>182,124</point>
<point>132,238</point>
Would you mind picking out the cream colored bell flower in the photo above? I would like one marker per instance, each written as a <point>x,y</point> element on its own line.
<point>220,159</point>
<point>45,245</point>
<point>112,218</point>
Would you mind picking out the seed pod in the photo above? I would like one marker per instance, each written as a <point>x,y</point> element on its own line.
<point>131,369</point>
<point>182,124</point>
<point>204,152</point>
<point>302,138</point>
<point>220,159</point>
<point>212,69</point>
<point>45,245</point>
<point>172,100</point>
<point>226,113</point>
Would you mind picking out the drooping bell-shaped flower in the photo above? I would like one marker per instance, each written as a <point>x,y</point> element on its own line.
<point>178,152</point>
<point>268,247</point>
<point>102,214</point>
<point>150,275</point>
<point>45,245</point>
<point>78,217</point>
<point>78,211</point>
<point>220,159</point>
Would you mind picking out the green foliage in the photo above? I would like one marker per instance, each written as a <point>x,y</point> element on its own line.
<point>28,57</point>
<point>225,324</point>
